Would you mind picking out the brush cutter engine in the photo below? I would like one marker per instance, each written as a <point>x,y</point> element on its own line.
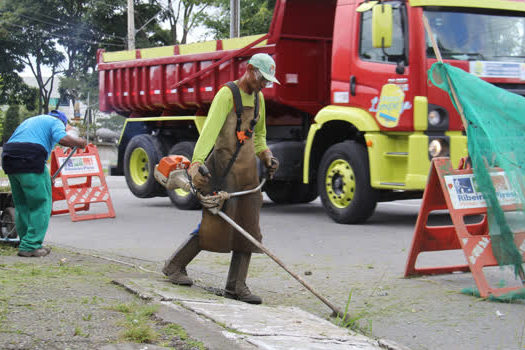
<point>172,173</point>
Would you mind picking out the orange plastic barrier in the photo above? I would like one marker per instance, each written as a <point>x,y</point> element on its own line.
<point>84,165</point>
<point>453,190</point>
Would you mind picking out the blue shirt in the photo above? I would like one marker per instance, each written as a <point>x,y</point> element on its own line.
<point>43,129</point>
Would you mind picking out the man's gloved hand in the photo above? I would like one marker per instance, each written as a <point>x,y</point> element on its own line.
<point>199,181</point>
<point>270,162</point>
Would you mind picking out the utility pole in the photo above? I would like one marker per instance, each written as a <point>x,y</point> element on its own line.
<point>235,18</point>
<point>131,25</point>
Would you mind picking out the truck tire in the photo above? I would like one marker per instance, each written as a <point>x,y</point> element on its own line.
<point>182,199</point>
<point>142,154</point>
<point>284,192</point>
<point>344,183</point>
<point>8,223</point>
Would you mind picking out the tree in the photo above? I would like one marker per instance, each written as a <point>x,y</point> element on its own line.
<point>1,123</point>
<point>256,16</point>
<point>184,15</point>
<point>11,122</point>
<point>114,122</point>
<point>95,24</point>
<point>14,91</point>
<point>36,43</point>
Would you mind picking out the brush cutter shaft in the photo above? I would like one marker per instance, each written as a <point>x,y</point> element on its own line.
<point>242,193</point>
<point>278,261</point>
<point>64,163</point>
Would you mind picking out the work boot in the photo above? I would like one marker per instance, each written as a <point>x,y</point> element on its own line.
<point>236,282</point>
<point>33,253</point>
<point>175,267</point>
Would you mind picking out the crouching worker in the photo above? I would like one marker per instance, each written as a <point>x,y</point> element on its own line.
<point>24,159</point>
<point>235,129</point>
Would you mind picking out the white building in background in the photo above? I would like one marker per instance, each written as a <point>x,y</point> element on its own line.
<point>64,106</point>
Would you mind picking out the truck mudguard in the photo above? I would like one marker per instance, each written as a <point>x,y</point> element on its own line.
<point>359,118</point>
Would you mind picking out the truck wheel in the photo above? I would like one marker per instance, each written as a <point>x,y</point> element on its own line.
<point>182,199</point>
<point>344,183</point>
<point>8,223</point>
<point>284,192</point>
<point>308,192</point>
<point>142,154</point>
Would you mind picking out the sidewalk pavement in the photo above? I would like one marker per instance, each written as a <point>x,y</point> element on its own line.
<point>70,300</point>
<point>222,323</point>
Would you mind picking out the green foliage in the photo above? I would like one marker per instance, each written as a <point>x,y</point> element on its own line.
<point>33,40</point>
<point>80,87</point>
<point>114,122</point>
<point>185,14</point>
<point>13,90</point>
<point>352,321</point>
<point>256,16</point>
<point>11,122</point>
<point>25,113</point>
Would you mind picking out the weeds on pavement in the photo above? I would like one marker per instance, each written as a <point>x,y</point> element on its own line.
<point>352,322</point>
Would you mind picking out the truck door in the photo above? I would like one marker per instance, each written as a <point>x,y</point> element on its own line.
<point>372,68</point>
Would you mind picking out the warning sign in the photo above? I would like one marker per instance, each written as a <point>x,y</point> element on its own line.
<point>79,165</point>
<point>464,194</point>
<point>81,192</point>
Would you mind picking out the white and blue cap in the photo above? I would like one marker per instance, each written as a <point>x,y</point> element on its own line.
<point>59,115</point>
<point>266,66</point>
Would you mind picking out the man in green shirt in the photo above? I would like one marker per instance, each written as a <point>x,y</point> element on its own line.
<point>235,129</point>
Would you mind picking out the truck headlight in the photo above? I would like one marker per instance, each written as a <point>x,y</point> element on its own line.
<point>437,148</point>
<point>434,117</point>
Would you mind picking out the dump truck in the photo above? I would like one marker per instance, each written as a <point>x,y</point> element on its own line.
<point>354,120</point>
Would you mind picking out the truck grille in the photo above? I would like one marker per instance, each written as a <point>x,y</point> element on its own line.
<point>515,88</point>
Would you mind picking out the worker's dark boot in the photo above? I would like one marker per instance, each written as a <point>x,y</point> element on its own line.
<point>236,283</point>
<point>175,267</point>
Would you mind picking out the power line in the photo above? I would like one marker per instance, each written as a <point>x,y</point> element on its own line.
<point>64,26</point>
<point>91,28</point>
<point>61,36</point>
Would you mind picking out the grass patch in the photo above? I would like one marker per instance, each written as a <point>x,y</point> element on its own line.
<point>79,333</point>
<point>7,250</point>
<point>174,330</point>
<point>140,333</point>
<point>138,326</point>
<point>69,283</point>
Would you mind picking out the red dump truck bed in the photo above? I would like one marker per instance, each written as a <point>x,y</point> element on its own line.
<point>183,79</point>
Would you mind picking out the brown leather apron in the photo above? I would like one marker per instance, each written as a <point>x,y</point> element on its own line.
<point>215,234</point>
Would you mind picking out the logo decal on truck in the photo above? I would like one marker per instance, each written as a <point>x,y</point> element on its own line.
<point>390,105</point>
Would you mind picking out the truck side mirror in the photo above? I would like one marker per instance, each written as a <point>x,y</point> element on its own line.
<point>382,24</point>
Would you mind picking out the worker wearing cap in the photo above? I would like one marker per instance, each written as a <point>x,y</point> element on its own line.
<point>24,159</point>
<point>222,133</point>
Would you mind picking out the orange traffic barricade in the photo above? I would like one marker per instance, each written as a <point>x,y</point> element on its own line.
<point>78,186</point>
<point>454,190</point>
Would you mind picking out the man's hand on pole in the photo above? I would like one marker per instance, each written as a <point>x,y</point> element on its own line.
<point>270,162</point>
<point>199,181</point>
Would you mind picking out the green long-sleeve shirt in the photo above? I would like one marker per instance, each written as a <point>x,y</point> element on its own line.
<point>221,106</point>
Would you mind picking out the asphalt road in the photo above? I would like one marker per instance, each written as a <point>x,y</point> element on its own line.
<point>362,264</point>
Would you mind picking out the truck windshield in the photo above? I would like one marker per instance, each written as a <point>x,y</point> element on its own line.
<point>472,36</point>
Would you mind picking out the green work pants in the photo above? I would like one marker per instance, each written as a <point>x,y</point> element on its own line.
<point>33,204</point>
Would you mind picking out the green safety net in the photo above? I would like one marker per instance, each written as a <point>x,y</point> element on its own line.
<point>495,138</point>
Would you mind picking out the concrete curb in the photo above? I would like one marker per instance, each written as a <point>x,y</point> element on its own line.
<point>222,323</point>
